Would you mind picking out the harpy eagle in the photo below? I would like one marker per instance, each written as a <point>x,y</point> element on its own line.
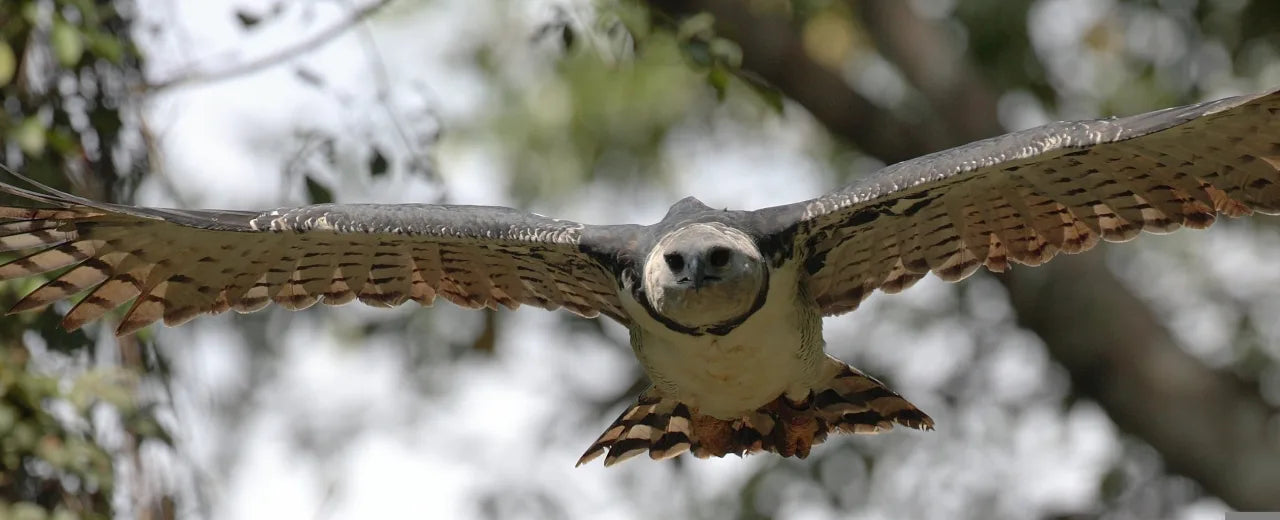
<point>724,307</point>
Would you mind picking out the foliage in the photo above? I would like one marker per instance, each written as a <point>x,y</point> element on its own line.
<point>619,84</point>
<point>66,68</point>
<point>52,465</point>
<point>65,71</point>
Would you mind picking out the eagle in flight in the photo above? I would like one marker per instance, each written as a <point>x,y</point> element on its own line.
<point>724,307</point>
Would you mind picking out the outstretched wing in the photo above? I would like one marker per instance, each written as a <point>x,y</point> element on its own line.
<point>177,264</point>
<point>1026,196</point>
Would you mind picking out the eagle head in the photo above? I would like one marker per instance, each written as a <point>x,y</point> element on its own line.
<point>704,274</point>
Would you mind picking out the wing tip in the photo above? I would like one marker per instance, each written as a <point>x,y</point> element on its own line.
<point>43,193</point>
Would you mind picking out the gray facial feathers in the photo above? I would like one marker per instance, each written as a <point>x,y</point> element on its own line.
<point>702,270</point>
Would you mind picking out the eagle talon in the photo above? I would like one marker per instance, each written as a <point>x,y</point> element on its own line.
<point>802,404</point>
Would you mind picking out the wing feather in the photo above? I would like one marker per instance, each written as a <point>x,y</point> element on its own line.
<point>1027,196</point>
<point>174,265</point>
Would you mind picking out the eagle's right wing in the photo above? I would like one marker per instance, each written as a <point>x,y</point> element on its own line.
<point>177,264</point>
<point>1026,196</point>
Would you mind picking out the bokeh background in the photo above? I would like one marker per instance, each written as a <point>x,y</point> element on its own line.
<point>1136,381</point>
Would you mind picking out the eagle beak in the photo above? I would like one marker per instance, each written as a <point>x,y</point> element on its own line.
<point>697,277</point>
<point>697,269</point>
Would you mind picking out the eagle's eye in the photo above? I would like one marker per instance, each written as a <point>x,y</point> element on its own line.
<point>674,261</point>
<point>719,257</point>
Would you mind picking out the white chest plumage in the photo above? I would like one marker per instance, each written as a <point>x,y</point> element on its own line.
<point>777,350</point>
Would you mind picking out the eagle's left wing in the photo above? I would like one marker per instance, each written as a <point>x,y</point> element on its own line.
<point>1026,196</point>
<point>177,264</point>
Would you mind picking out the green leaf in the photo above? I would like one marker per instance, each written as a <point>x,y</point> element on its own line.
<point>378,165</point>
<point>67,43</point>
<point>727,52</point>
<point>700,26</point>
<point>61,513</point>
<point>8,417</point>
<point>30,136</point>
<point>698,52</point>
<point>8,63</point>
<point>23,438</point>
<point>633,17</point>
<point>62,141</point>
<point>31,12</point>
<point>719,78</point>
<point>247,19</point>
<point>106,46</point>
<point>52,450</point>
<point>101,385</point>
<point>567,36</point>
<point>768,93</point>
<point>317,192</point>
<point>27,511</point>
<point>144,425</point>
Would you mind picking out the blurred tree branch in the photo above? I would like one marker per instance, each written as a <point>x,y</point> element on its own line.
<point>1205,423</point>
<point>773,49</point>
<point>941,71</point>
<point>195,76</point>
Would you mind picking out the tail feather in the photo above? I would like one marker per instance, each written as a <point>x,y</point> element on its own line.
<point>659,426</point>
<point>847,401</point>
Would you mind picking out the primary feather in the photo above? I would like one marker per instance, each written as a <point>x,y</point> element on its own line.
<point>174,265</point>
<point>1024,197</point>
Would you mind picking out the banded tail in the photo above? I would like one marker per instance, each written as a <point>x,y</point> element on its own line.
<point>848,402</point>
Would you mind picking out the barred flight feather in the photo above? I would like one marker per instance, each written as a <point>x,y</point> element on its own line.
<point>171,266</point>
<point>1025,197</point>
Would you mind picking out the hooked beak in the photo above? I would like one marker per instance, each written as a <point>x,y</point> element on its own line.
<point>698,272</point>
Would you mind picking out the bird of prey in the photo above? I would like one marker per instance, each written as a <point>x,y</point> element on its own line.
<point>724,307</point>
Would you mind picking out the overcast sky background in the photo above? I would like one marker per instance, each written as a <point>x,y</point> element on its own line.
<point>520,419</point>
